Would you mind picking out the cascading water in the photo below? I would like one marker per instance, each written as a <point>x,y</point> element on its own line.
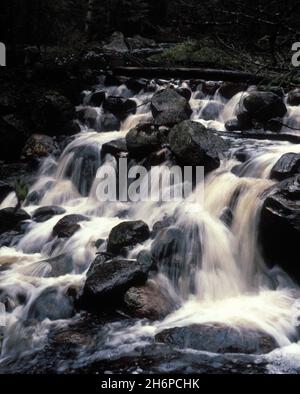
<point>223,278</point>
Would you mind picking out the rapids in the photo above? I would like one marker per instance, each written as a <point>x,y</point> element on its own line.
<point>228,284</point>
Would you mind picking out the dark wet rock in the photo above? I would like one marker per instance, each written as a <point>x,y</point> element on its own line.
<point>169,107</point>
<point>45,213</point>
<point>109,122</point>
<point>51,304</point>
<point>244,118</point>
<point>108,281</point>
<point>119,106</point>
<point>12,141</point>
<point>287,166</point>
<point>230,89</point>
<point>194,145</point>
<point>217,338</point>
<point>294,97</point>
<point>143,139</point>
<point>37,146</point>
<point>5,189</point>
<point>10,238</point>
<point>279,227</point>
<point>156,158</point>
<point>211,110</point>
<point>115,148</point>
<point>68,226</point>
<point>166,222</point>
<point>137,85</point>
<point>95,99</point>
<point>149,301</point>
<point>263,106</point>
<point>184,92</point>
<point>112,80</point>
<point>274,124</point>
<point>117,43</point>
<point>209,88</point>
<point>53,114</point>
<point>99,243</point>
<point>9,218</point>
<point>242,155</point>
<point>232,125</point>
<point>127,234</point>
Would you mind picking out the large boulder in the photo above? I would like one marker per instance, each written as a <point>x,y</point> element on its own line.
<point>294,97</point>
<point>287,166</point>
<point>108,280</point>
<point>142,140</point>
<point>218,338</point>
<point>10,218</point>
<point>115,148</point>
<point>53,114</point>
<point>169,107</point>
<point>117,43</point>
<point>37,146</point>
<point>194,145</point>
<point>127,234</point>
<point>68,226</point>
<point>149,301</point>
<point>279,227</point>
<point>119,106</point>
<point>230,89</point>
<point>45,213</point>
<point>263,106</point>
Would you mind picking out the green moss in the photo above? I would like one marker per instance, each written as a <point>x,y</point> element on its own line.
<point>192,53</point>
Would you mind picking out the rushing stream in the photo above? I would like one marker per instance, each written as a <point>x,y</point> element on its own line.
<point>229,284</point>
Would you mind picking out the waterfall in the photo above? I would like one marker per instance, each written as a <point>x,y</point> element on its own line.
<point>223,277</point>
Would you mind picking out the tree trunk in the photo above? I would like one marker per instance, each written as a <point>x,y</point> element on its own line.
<point>89,16</point>
<point>189,73</point>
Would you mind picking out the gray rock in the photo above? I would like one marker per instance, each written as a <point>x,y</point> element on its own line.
<point>108,280</point>
<point>127,234</point>
<point>45,213</point>
<point>194,145</point>
<point>287,166</point>
<point>263,106</point>
<point>68,226</point>
<point>149,301</point>
<point>169,107</point>
<point>9,218</point>
<point>218,338</point>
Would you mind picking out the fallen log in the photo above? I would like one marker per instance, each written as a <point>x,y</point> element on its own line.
<point>189,73</point>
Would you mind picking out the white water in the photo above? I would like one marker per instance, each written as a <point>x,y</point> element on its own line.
<point>230,281</point>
